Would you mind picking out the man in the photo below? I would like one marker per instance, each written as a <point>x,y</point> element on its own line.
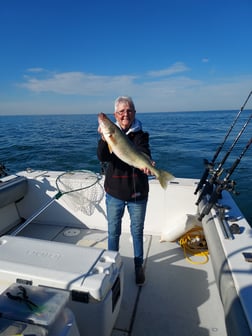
<point>125,185</point>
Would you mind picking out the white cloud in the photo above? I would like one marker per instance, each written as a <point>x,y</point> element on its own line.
<point>79,92</point>
<point>76,83</point>
<point>176,68</point>
<point>36,70</point>
<point>83,84</point>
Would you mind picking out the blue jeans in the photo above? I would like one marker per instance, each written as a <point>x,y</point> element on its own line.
<point>115,211</point>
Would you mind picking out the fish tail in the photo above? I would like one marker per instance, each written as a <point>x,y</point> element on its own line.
<point>164,177</point>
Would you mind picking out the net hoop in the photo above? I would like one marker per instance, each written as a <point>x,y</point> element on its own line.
<point>82,190</point>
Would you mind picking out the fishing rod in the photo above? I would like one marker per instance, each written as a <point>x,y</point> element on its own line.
<point>210,165</point>
<point>225,184</point>
<point>208,186</point>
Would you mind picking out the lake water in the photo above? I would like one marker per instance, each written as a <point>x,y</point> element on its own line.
<point>179,143</point>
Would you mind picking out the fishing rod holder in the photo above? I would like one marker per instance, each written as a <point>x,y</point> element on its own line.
<point>221,211</point>
<point>223,208</point>
<point>216,194</point>
<point>209,184</point>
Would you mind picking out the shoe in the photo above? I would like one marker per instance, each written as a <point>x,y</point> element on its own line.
<point>140,277</point>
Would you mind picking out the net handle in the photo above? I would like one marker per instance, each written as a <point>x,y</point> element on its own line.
<point>55,197</point>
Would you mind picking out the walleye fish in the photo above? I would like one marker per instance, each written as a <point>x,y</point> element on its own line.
<point>122,147</point>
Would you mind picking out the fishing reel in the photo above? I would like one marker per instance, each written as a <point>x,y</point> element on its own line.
<point>228,185</point>
<point>232,186</point>
<point>216,173</point>
<point>209,165</point>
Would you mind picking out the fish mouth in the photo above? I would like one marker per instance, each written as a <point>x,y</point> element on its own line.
<point>101,116</point>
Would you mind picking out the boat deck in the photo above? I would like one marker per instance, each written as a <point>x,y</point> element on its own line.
<point>179,298</point>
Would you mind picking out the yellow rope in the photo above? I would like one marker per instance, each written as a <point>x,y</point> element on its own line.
<point>194,243</point>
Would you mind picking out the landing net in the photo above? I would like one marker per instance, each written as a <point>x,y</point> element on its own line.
<point>82,190</point>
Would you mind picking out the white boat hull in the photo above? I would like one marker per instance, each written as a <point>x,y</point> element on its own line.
<point>170,212</point>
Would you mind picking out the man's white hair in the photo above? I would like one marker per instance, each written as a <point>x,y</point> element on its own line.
<point>125,99</point>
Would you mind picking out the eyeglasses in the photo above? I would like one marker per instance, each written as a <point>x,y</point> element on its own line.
<point>125,111</point>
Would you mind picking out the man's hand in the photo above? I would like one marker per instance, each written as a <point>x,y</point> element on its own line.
<point>146,170</point>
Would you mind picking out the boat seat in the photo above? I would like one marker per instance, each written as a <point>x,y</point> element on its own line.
<point>11,191</point>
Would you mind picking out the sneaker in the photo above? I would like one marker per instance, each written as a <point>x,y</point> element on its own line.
<point>140,277</point>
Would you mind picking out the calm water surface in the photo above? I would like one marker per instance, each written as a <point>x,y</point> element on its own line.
<point>179,143</point>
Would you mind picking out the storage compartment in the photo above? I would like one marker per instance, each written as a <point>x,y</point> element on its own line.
<point>30,310</point>
<point>92,277</point>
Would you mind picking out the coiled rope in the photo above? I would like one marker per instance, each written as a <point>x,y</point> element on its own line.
<point>194,244</point>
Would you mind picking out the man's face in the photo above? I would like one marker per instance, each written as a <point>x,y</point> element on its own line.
<point>124,115</point>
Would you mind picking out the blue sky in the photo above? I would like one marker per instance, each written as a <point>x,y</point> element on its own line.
<point>76,56</point>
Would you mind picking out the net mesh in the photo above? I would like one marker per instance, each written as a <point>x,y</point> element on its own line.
<point>82,190</point>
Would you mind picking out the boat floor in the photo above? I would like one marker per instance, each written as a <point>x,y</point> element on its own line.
<point>178,298</point>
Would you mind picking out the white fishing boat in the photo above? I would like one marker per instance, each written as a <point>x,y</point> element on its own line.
<point>54,236</point>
